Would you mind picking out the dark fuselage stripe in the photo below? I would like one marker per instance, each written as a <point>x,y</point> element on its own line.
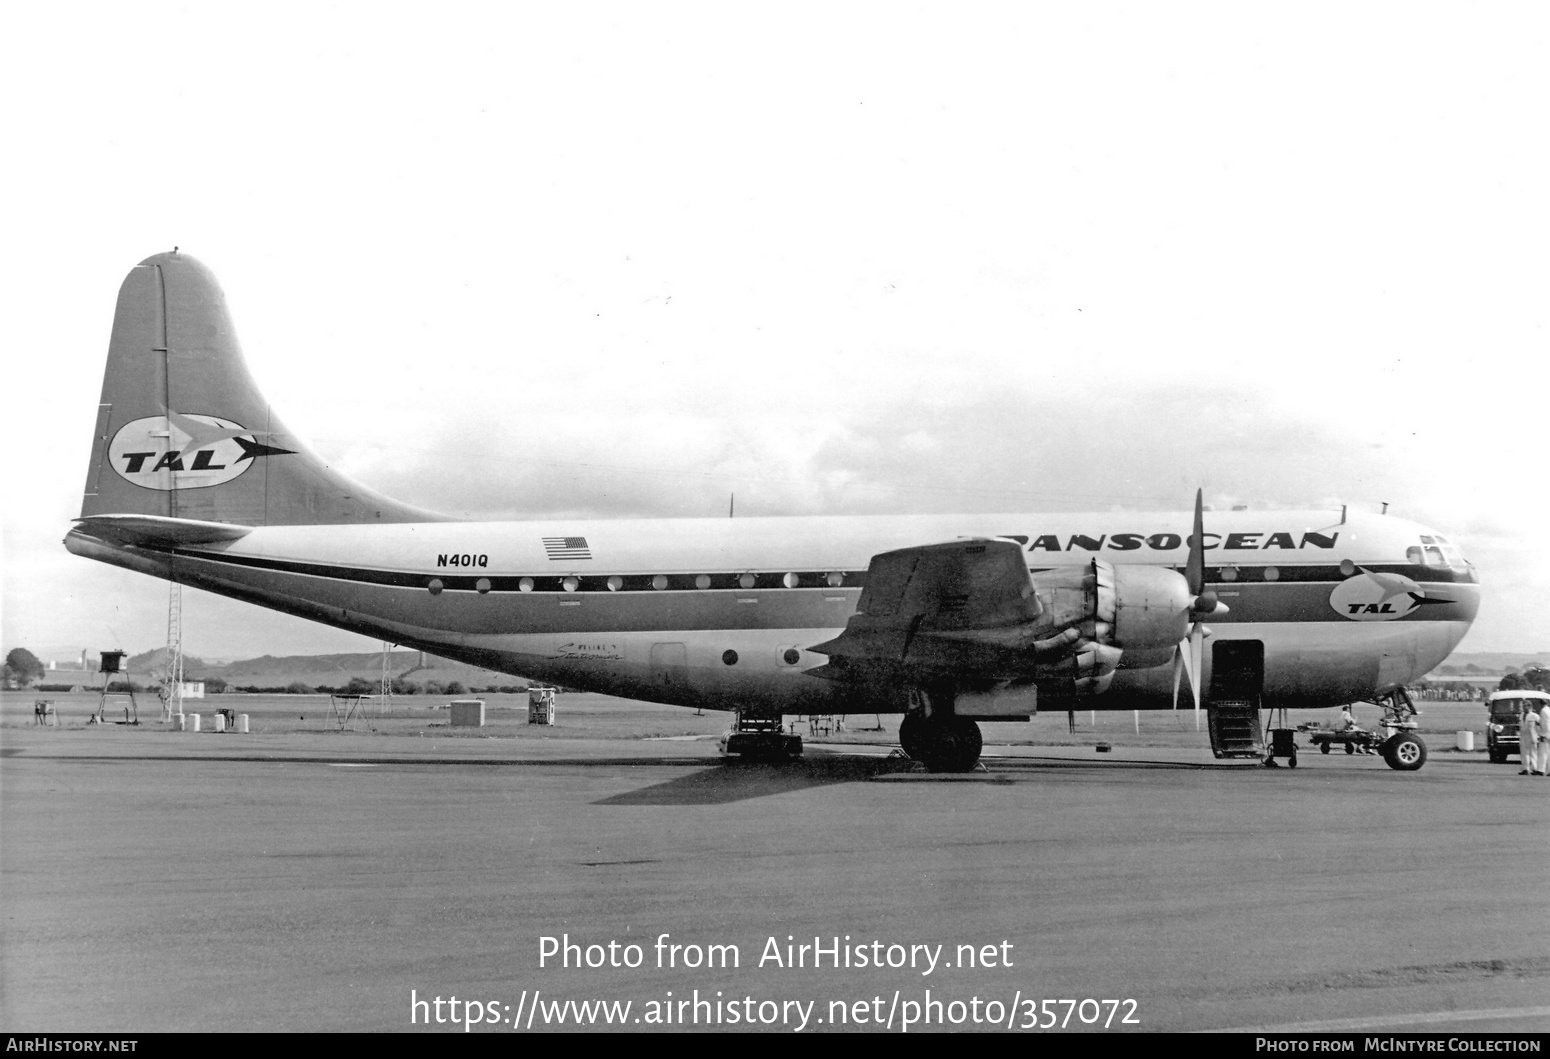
<point>733,581</point>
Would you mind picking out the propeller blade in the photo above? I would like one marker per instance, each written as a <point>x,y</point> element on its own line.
<point>1195,565</point>
<point>1178,671</point>
<point>1188,657</point>
<point>1197,643</point>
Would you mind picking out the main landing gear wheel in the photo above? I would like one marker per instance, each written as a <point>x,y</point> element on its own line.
<point>910,733</point>
<point>948,743</point>
<point>1405,752</point>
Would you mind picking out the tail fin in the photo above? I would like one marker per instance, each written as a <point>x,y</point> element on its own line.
<point>182,432</point>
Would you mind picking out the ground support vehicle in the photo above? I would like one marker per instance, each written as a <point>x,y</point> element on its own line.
<point>1503,709</point>
<point>755,738</point>
<point>1395,739</point>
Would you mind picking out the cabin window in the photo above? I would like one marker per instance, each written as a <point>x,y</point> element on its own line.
<point>746,581</point>
<point>615,583</point>
<point>659,582</point>
<point>525,585</point>
<point>482,585</point>
<point>702,581</point>
<point>729,657</point>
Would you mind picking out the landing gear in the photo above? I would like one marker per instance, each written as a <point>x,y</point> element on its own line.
<point>951,743</point>
<point>938,738</point>
<point>1405,752</point>
<point>910,733</point>
<point>1403,749</point>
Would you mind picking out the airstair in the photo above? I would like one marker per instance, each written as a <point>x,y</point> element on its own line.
<point>1235,730</point>
<point>111,700</point>
<point>1237,677</point>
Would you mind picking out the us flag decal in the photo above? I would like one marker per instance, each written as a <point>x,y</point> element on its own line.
<point>567,548</point>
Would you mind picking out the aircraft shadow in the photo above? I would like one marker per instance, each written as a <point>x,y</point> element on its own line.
<point>736,781</point>
<point>1034,764</point>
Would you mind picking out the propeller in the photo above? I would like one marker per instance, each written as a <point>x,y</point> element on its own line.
<point>1189,655</point>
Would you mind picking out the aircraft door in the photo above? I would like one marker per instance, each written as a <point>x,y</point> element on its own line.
<point>1232,705</point>
<point>1237,671</point>
<point>670,665</point>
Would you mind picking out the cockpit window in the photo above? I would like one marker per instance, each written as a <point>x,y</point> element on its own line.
<point>1435,551</point>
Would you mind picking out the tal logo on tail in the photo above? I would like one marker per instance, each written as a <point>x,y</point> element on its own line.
<point>186,451</point>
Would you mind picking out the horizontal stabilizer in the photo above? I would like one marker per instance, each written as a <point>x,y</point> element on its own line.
<point>159,531</point>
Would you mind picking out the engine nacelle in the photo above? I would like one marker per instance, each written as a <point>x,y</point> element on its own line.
<point>1151,613</point>
<point>1140,609</point>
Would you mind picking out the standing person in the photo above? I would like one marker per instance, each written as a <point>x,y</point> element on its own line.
<point>1528,739</point>
<point>1542,762</point>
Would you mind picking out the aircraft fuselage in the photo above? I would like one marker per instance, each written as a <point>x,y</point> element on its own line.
<point>720,613</point>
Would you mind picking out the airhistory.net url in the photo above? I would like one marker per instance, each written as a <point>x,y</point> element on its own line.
<point>535,1011</point>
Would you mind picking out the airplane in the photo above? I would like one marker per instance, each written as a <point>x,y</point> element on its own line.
<point>946,620</point>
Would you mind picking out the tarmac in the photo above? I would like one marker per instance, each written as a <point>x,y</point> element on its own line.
<point>303,877</point>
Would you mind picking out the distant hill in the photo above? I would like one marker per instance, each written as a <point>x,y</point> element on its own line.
<point>270,671</point>
<point>1496,661</point>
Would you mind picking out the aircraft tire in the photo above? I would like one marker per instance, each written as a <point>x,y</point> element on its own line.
<point>909,733</point>
<point>1323,748</point>
<point>950,744</point>
<point>1405,752</point>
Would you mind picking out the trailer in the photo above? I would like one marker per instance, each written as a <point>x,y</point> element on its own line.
<point>1395,738</point>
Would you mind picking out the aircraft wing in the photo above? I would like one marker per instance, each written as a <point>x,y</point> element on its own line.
<point>959,608</point>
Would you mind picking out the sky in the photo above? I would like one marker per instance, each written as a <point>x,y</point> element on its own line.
<point>532,260</point>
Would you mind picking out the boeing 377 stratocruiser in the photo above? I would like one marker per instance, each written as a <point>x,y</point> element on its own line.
<point>947,619</point>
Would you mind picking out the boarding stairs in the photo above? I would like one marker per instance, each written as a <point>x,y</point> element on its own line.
<point>1235,730</point>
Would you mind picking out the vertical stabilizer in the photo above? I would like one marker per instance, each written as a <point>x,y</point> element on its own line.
<point>182,432</point>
